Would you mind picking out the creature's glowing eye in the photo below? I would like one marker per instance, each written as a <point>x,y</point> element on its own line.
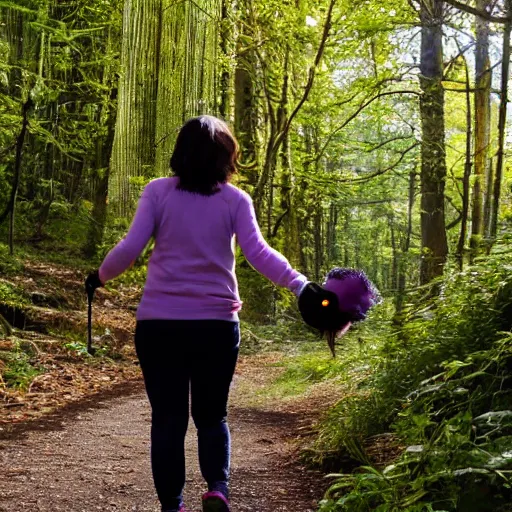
<point>325,303</point>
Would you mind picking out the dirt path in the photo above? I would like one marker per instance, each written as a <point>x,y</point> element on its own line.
<point>97,459</point>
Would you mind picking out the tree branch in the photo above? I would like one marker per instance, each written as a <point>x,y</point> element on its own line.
<point>354,115</point>
<point>452,61</point>
<point>368,203</point>
<point>17,162</point>
<point>279,222</point>
<point>482,14</point>
<point>453,223</point>
<point>453,205</point>
<point>381,171</point>
<point>388,141</point>
<point>471,89</point>
<point>311,79</point>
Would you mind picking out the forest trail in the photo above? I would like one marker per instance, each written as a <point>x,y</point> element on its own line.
<point>97,457</point>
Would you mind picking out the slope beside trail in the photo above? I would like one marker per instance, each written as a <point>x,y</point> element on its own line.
<point>96,457</point>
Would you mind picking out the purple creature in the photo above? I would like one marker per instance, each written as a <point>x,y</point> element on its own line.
<point>356,295</point>
<point>344,298</point>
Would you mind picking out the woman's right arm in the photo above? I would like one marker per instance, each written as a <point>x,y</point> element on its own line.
<point>267,261</point>
<point>122,256</point>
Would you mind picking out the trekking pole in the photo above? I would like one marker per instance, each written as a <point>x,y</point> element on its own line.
<point>91,283</point>
<point>90,295</point>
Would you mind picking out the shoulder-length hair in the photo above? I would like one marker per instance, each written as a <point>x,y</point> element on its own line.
<point>205,155</point>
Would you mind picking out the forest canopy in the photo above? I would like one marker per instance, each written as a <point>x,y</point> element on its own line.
<point>372,134</point>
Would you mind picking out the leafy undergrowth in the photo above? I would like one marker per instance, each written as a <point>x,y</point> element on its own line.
<point>40,374</point>
<point>311,375</point>
<point>311,363</point>
<point>44,362</point>
<point>417,418</point>
<point>436,395</point>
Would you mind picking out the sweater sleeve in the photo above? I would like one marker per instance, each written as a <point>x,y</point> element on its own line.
<point>267,261</point>
<point>130,247</point>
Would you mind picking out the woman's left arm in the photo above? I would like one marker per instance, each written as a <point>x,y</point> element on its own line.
<point>130,247</point>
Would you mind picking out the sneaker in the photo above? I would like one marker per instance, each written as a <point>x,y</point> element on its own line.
<point>215,501</point>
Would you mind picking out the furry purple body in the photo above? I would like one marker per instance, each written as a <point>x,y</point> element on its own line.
<point>356,293</point>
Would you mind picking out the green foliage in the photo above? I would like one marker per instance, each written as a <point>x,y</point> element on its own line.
<point>311,362</point>
<point>444,384</point>
<point>63,237</point>
<point>336,193</point>
<point>257,293</point>
<point>64,58</point>
<point>459,423</point>
<point>79,348</point>
<point>9,265</point>
<point>286,335</point>
<point>18,368</point>
<point>10,295</point>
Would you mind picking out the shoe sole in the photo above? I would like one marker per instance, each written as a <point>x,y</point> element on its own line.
<point>214,505</point>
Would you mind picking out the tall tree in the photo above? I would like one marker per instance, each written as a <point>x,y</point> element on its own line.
<point>483,77</point>
<point>226,77</point>
<point>505,72</point>
<point>467,173</point>
<point>434,243</point>
<point>280,123</point>
<point>168,76</point>
<point>134,142</point>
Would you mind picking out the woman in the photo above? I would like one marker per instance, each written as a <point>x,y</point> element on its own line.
<point>187,334</point>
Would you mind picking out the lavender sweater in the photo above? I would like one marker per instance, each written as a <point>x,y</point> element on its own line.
<point>191,272</point>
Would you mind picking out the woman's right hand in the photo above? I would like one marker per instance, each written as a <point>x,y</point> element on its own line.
<point>92,282</point>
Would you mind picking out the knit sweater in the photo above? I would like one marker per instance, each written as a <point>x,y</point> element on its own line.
<point>191,271</point>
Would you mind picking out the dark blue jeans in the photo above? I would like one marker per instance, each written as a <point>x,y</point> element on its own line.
<point>179,357</point>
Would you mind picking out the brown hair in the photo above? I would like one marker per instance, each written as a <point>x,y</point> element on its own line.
<point>205,155</point>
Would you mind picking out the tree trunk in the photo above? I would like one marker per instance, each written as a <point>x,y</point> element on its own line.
<point>332,253</point>
<point>169,59</point>
<point>187,70</point>
<point>303,199</point>
<point>285,150</point>
<point>226,78</point>
<point>467,175</point>
<point>99,211</point>
<point>395,261</point>
<point>134,143</point>
<point>280,126</point>
<point>246,117</point>
<point>487,207</point>
<point>347,238</point>
<point>402,263</point>
<point>11,206</point>
<point>246,121</point>
<point>16,40</point>
<point>505,66</point>
<point>433,151</point>
<point>317,236</point>
<point>482,125</point>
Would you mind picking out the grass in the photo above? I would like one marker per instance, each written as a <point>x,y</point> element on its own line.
<point>312,363</point>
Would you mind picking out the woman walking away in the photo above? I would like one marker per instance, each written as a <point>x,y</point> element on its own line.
<point>187,334</point>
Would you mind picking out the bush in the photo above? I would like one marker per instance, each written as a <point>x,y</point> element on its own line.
<point>443,385</point>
